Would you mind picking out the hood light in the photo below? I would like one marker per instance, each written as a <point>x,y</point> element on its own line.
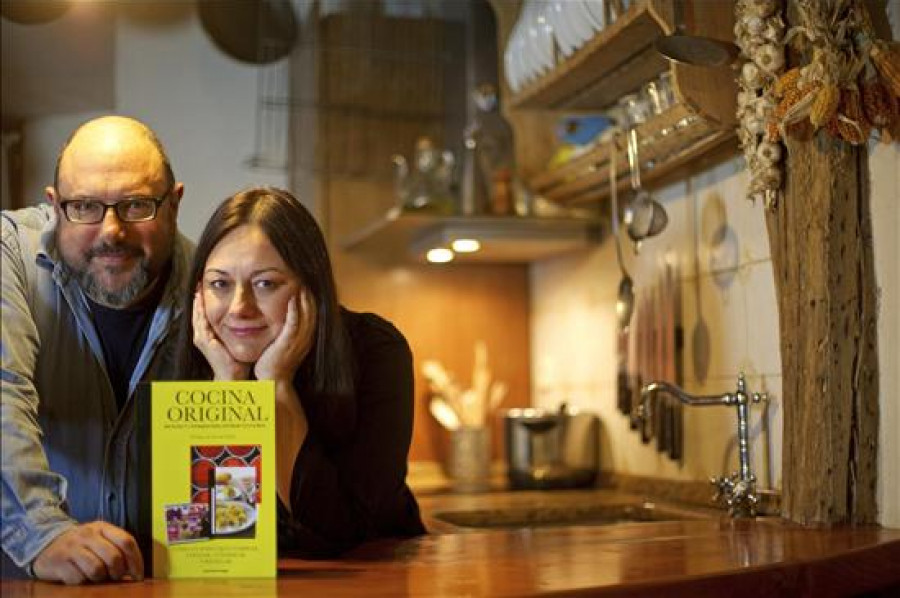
<point>466,245</point>
<point>439,255</point>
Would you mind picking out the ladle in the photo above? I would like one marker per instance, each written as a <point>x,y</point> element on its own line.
<point>625,298</point>
<point>644,216</point>
<point>694,50</point>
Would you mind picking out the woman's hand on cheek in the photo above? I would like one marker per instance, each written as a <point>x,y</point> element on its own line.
<point>223,365</point>
<point>281,359</point>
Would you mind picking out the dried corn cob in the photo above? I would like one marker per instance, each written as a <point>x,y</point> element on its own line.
<point>824,105</point>
<point>832,127</point>
<point>891,133</point>
<point>886,58</point>
<point>879,106</point>
<point>786,81</point>
<point>852,125</point>
<point>792,98</point>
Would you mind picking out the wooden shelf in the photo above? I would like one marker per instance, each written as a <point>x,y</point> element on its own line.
<point>623,52</point>
<point>667,142</point>
<point>619,60</point>
<point>404,236</point>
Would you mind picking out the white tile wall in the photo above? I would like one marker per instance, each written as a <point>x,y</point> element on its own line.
<point>719,243</point>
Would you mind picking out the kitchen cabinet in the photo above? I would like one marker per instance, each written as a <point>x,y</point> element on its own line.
<point>617,61</point>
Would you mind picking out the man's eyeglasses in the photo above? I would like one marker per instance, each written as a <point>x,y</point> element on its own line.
<point>130,209</point>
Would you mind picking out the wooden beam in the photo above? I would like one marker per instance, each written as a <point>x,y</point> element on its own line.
<point>822,257</point>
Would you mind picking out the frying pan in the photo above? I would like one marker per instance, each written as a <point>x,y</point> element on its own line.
<point>253,31</point>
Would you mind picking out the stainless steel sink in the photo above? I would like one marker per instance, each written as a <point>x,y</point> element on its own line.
<point>548,516</point>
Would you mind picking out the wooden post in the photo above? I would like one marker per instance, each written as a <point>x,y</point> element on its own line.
<point>822,256</point>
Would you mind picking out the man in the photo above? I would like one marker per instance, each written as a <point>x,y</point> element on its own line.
<point>92,286</point>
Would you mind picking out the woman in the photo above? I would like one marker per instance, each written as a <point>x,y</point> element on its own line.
<point>265,307</point>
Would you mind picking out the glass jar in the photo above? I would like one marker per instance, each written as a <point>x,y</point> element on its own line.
<point>636,108</point>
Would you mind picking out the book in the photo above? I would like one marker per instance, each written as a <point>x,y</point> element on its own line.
<point>209,502</point>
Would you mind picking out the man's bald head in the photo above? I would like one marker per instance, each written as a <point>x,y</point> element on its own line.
<point>111,133</point>
<point>111,160</point>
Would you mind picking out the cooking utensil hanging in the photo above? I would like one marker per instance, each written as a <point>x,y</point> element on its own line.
<point>673,306</point>
<point>257,33</point>
<point>625,299</point>
<point>694,50</point>
<point>644,216</point>
<point>645,366</point>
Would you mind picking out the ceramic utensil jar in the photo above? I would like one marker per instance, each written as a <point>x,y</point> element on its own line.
<point>470,459</point>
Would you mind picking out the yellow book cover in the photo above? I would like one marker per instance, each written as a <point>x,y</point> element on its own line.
<point>212,508</point>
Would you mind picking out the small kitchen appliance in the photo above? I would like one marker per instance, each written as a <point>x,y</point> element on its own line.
<point>551,449</point>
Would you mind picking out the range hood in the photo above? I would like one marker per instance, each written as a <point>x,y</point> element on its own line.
<point>408,236</point>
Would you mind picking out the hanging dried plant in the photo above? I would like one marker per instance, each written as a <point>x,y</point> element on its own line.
<point>848,86</point>
<point>886,58</point>
<point>759,32</point>
<point>879,104</point>
<point>825,105</point>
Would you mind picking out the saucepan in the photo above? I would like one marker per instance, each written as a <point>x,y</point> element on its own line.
<point>551,449</point>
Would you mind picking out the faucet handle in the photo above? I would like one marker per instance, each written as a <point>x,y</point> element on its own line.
<point>738,495</point>
<point>755,397</point>
<point>741,382</point>
<point>724,488</point>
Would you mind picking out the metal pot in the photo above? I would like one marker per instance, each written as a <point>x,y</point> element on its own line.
<point>551,449</point>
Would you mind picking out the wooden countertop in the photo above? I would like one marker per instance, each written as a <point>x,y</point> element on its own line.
<point>692,557</point>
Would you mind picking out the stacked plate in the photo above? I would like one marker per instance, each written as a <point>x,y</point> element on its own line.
<point>548,31</point>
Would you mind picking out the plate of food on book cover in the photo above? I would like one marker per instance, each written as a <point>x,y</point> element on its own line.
<point>235,483</point>
<point>234,516</point>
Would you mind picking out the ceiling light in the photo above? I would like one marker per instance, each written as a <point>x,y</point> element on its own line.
<point>466,245</point>
<point>439,255</point>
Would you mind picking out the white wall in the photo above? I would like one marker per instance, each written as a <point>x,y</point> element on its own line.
<point>884,169</point>
<point>718,241</point>
<point>885,178</point>
<point>41,141</point>
<point>201,103</point>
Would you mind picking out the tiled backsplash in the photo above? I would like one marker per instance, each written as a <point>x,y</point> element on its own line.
<point>718,243</point>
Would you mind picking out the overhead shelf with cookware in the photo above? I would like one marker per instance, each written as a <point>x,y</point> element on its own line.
<point>660,74</point>
<point>428,225</point>
<point>589,57</point>
<point>458,196</point>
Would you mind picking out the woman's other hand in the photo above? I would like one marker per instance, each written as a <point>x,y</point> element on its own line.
<point>281,359</point>
<point>223,365</point>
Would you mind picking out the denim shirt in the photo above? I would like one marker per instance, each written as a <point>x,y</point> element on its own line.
<point>69,454</point>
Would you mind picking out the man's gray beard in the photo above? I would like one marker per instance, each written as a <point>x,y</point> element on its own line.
<point>122,298</point>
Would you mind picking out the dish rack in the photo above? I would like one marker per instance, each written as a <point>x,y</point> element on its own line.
<point>698,129</point>
<point>668,142</point>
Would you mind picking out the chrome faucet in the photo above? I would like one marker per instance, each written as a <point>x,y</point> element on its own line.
<point>737,491</point>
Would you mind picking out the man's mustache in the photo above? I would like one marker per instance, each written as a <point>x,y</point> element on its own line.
<point>113,250</point>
